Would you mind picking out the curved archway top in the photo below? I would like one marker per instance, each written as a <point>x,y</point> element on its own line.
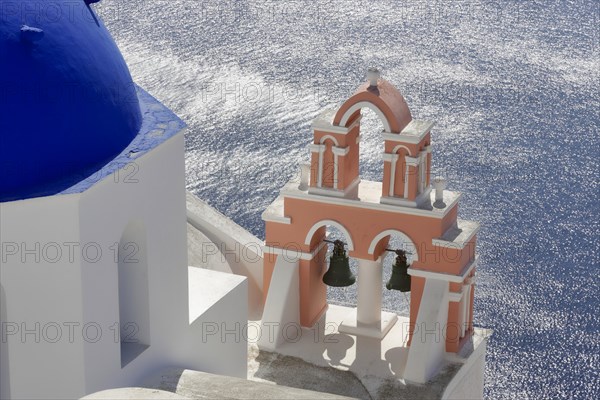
<point>385,100</point>
<point>329,137</point>
<point>326,222</point>
<point>407,242</point>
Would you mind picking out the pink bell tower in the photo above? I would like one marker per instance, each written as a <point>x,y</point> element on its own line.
<point>330,192</point>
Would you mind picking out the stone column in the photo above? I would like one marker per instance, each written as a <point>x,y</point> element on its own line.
<point>370,275</point>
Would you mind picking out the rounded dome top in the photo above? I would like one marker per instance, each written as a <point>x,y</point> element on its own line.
<point>385,97</point>
<point>68,104</point>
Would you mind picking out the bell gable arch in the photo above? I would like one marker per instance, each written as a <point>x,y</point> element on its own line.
<point>409,245</point>
<point>384,99</point>
<point>326,222</point>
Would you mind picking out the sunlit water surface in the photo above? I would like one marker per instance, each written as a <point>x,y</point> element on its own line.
<point>514,90</point>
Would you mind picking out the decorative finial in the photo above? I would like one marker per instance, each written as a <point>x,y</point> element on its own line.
<point>373,74</point>
<point>304,176</point>
<point>439,184</point>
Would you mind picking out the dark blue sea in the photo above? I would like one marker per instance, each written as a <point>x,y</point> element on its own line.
<point>514,88</point>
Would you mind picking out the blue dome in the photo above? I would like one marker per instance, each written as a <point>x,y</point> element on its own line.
<point>68,104</point>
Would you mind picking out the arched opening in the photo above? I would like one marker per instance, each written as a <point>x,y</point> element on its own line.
<point>332,230</point>
<point>399,184</point>
<point>329,178</point>
<point>134,302</point>
<point>371,144</point>
<point>384,99</point>
<point>380,111</point>
<point>343,296</point>
<point>319,231</point>
<point>393,300</point>
<point>376,118</point>
<point>361,106</point>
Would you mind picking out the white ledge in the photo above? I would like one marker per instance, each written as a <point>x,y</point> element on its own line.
<point>389,157</point>
<point>442,276</point>
<point>412,161</point>
<point>458,236</point>
<point>413,133</point>
<point>455,297</point>
<point>315,148</point>
<point>348,192</point>
<point>369,197</point>
<point>421,199</point>
<point>274,213</point>
<point>340,151</point>
<point>324,123</point>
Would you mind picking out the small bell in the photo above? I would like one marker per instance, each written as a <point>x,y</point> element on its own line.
<point>339,274</point>
<point>400,279</point>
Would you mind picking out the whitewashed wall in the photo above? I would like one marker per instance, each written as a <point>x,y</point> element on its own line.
<point>141,206</point>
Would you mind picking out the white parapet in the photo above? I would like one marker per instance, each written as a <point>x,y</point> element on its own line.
<point>428,345</point>
<point>235,246</point>
<point>217,340</point>
<point>282,307</point>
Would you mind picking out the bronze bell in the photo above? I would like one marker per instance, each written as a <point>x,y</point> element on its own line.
<point>400,279</point>
<point>339,274</point>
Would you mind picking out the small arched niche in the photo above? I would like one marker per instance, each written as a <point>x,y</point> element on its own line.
<point>393,239</point>
<point>4,366</point>
<point>134,302</point>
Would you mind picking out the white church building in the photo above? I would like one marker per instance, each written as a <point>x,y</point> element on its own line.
<point>95,286</point>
